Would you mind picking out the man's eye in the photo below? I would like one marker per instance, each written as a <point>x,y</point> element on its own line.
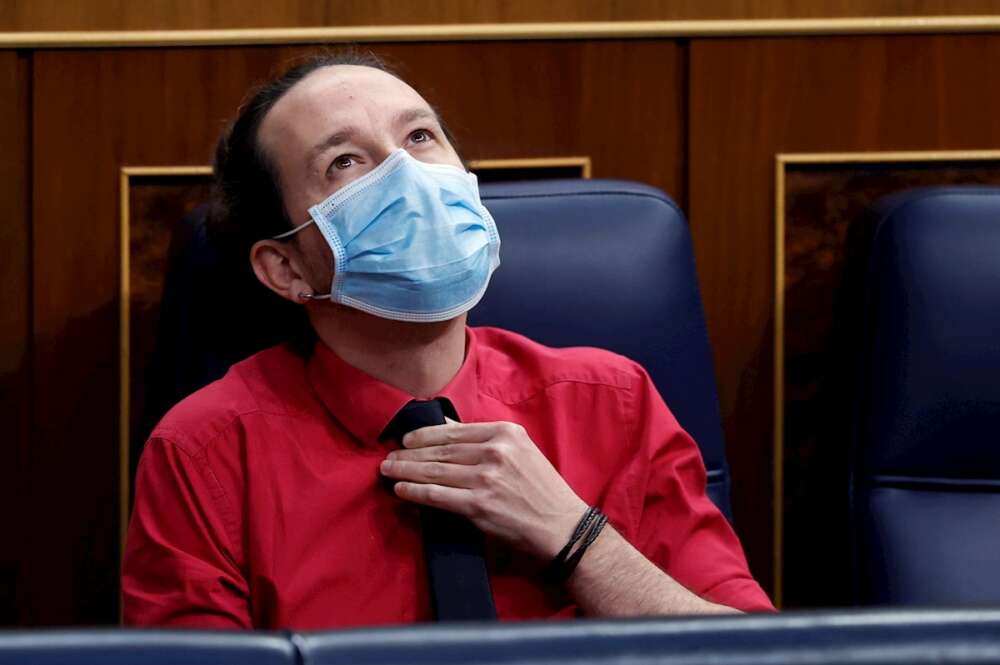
<point>421,136</point>
<point>343,162</point>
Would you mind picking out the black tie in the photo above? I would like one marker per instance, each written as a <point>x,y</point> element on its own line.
<point>453,546</point>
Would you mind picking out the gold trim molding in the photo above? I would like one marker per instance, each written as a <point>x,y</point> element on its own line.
<point>534,163</point>
<point>138,171</point>
<point>505,31</point>
<point>124,328</point>
<point>781,163</point>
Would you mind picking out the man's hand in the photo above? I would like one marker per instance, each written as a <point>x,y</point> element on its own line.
<point>492,473</point>
<point>495,475</point>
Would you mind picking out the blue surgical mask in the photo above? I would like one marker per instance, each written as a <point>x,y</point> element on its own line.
<point>411,241</point>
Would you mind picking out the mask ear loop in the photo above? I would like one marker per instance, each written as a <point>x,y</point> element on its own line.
<point>309,296</point>
<point>282,236</point>
<point>303,296</point>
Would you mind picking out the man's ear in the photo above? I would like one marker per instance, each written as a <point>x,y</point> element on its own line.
<point>279,268</point>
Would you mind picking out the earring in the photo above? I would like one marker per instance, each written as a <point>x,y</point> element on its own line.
<point>305,296</point>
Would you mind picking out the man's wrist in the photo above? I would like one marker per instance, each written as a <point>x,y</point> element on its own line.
<point>587,530</point>
<point>559,530</point>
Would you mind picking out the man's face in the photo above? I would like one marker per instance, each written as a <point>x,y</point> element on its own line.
<point>336,125</point>
<point>339,123</point>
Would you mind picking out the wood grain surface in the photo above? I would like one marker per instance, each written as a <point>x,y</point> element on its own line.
<point>15,315</point>
<point>43,15</point>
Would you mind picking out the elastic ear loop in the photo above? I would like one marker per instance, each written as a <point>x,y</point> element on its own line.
<point>281,236</point>
<point>310,296</point>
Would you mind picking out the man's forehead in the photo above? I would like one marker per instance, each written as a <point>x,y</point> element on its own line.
<point>343,86</point>
<point>333,96</point>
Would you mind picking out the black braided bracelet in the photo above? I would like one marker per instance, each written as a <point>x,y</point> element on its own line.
<point>564,563</point>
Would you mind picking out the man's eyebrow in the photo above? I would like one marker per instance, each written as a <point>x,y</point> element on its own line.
<point>347,133</point>
<point>416,113</point>
<point>333,140</point>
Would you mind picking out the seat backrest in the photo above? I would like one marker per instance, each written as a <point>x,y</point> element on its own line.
<point>584,263</point>
<point>609,264</point>
<point>145,647</point>
<point>925,485</point>
<point>818,638</point>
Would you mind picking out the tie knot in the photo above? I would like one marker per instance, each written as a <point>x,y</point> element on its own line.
<point>417,414</point>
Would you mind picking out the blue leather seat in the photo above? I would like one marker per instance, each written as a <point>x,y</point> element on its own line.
<point>609,264</point>
<point>925,484</point>
<point>584,263</point>
<point>819,638</point>
<point>872,638</point>
<point>144,647</point>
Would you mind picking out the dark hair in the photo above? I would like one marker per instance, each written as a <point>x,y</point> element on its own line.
<point>248,205</point>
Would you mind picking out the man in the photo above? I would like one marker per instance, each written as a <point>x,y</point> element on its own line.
<point>280,496</point>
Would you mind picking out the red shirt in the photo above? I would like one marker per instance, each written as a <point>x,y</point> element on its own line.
<point>259,502</point>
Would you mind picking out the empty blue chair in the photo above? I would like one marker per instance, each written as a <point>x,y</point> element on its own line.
<point>610,264</point>
<point>925,485</point>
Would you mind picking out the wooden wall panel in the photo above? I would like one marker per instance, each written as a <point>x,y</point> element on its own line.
<point>41,15</point>
<point>750,99</point>
<point>95,111</point>
<point>701,119</point>
<point>15,322</point>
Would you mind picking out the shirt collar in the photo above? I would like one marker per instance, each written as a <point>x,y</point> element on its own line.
<point>364,405</point>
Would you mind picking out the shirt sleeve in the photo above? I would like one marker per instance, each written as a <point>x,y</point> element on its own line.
<point>179,567</point>
<point>679,528</point>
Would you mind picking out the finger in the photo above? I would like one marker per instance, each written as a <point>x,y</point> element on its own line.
<point>447,498</point>
<point>437,435</point>
<point>438,473</point>
<point>453,453</point>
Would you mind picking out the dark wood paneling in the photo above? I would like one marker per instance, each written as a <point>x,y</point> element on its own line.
<point>96,111</point>
<point>15,322</point>
<point>751,99</point>
<point>40,15</point>
<point>621,103</point>
<point>157,206</point>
